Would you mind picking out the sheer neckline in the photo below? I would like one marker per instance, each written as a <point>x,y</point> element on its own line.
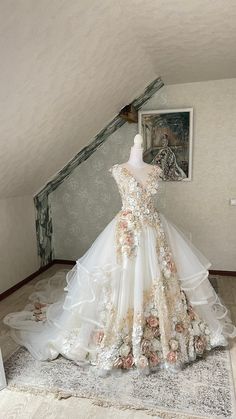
<point>143,185</point>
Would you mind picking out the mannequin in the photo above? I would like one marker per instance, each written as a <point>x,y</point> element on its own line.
<point>136,166</point>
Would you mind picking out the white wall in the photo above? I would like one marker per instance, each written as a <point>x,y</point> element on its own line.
<point>201,207</point>
<point>88,198</point>
<point>18,248</point>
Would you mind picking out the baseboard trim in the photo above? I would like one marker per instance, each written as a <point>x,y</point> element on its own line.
<point>64,262</point>
<point>222,273</point>
<point>73,262</point>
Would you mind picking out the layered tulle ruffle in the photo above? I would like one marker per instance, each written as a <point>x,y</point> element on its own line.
<point>69,312</point>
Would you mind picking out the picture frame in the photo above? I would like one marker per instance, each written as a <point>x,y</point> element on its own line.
<point>168,141</point>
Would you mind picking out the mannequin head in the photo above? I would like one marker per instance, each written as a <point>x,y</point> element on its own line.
<point>136,152</point>
<point>138,141</point>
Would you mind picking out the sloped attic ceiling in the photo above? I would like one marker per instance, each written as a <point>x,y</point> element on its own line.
<point>67,67</point>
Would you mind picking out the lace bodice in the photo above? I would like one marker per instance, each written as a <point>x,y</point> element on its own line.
<point>138,210</point>
<point>136,197</point>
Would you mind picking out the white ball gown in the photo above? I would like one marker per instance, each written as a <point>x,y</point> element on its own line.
<point>140,297</point>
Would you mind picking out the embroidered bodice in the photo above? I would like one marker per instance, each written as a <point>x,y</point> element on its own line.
<point>137,198</point>
<point>138,210</point>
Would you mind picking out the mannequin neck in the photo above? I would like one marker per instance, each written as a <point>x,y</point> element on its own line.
<point>136,157</point>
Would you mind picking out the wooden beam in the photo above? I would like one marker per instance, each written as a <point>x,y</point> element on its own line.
<point>129,114</point>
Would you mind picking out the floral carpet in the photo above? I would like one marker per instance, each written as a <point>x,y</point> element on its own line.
<point>203,389</point>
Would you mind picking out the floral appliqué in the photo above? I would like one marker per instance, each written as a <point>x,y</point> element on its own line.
<point>138,210</point>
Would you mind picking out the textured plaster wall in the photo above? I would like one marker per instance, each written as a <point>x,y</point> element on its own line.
<point>88,199</point>
<point>18,248</point>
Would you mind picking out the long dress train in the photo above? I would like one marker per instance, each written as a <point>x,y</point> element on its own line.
<point>140,297</point>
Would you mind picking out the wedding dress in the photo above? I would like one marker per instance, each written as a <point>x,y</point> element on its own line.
<point>139,297</point>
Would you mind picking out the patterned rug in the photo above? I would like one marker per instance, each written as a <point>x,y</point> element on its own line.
<point>204,388</point>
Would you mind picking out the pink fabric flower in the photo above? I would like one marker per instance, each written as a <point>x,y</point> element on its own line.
<point>172,357</point>
<point>129,239</point>
<point>179,327</point>
<point>128,361</point>
<point>154,359</point>
<point>123,224</point>
<point>200,344</point>
<point>153,321</point>
<point>126,212</point>
<point>98,337</point>
<point>39,305</point>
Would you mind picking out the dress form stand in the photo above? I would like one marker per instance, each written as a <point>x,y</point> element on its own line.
<point>135,164</point>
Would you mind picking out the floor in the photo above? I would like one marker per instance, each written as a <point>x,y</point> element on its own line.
<point>14,404</point>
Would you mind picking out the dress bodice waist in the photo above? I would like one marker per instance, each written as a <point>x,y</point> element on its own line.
<point>144,212</point>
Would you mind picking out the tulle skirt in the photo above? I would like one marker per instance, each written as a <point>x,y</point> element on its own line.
<point>68,313</point>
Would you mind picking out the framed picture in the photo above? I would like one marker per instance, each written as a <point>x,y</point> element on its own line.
<point>167,136</point>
